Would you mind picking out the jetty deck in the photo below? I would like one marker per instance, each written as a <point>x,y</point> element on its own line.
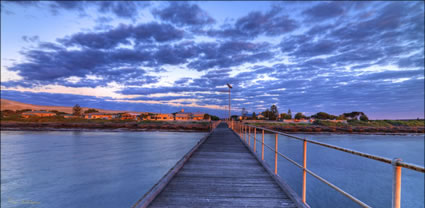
<point>222,172</point>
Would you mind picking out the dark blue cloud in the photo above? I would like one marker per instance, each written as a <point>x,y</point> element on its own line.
<point>324,11</point>
<point>142,33</point>
<point>122,9</point>
<point>184,14</point>
<point>271,23</point>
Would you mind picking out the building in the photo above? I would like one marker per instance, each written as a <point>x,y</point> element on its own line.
<point>163,117</point>
<point>260,116</point>
<point>182,116</point>
<point>99,116</point>
<point>28,114</point>
<point>198,116</point>
<point>130,116</point>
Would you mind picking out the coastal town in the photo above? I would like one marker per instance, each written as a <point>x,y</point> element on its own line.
<point>94,114</point>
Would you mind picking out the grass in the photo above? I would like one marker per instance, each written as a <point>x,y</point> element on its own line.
<point>354,123</point>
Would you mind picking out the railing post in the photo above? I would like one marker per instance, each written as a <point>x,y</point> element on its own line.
<point>249,136</point>
<point>255,138</point>
<point>275,155</point>
<point>396,183</point>
<point>244,133</point>
<point>262,146</point>
<point>304,171</point>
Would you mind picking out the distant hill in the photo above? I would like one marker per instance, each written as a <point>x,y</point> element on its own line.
<point>14,105</point>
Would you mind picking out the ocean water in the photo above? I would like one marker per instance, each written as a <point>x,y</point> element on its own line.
<point>115,169</point>
<point>366,179</point>
<point>86,169</point>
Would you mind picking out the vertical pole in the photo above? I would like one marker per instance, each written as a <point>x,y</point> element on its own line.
<point>304,171</point>
<point>262,147</point>
<point>396,183</point>
<point>244,133</point>
<point>249,136</point>
<point>229,105</point>
<point>255,138</point>
<point>275,155</point>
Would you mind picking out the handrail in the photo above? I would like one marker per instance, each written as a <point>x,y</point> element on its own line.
<point>374,157</point>
<point>241,130</point>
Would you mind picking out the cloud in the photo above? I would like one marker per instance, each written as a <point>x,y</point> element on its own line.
<point>29,39</point>
<point>184,14</point>
<point>354,57</point>
<point>324,11</point>
<point>271,23</point>
<point>142,33</point>
<point>230,53</point>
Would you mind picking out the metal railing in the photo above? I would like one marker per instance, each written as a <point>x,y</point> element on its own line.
<point>244,132</point>
<point>214,124</point>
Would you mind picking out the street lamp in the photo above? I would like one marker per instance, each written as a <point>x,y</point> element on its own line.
<point>230,87</point>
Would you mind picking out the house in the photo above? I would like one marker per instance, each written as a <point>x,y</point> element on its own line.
<point>198,116</point>
<point>129,116</point>
<point>99,116</point>
<point>182,116</point>
<point>260,117</point>
<point>163,117</point>
<point>28,114</point>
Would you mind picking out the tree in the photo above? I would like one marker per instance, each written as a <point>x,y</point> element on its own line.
<point>341,117</point>
<point>290,113</point>
<point>274,113</point>
<point>76,110</point>
<point>364,118</point>
<point>299,116</point>
<point>91,110</point>
<point>323,115</point>
<point>353,115</point>
<point>266,113</point>
<point>214,118</point>
<point>285,116</point>
<point>206,116</point>
<point>254,117</point>
<point>244,112</point>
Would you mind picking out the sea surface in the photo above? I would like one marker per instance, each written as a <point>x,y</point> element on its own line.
<point>50,169</point>
<point>114,169</point>
<point>366,179</point>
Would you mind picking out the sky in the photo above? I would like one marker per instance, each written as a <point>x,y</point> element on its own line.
<point>309,57</point>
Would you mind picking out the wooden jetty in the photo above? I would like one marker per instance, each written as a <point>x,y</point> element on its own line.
<point>220,171</point>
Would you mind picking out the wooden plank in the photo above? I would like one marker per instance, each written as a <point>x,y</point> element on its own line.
<point>222,173</point>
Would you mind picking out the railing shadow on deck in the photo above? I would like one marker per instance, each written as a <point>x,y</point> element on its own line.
<point>244,133</point>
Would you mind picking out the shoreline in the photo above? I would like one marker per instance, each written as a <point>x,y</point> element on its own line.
<point>197,127</point>
<point>100,130</point>
<point>118,127</point>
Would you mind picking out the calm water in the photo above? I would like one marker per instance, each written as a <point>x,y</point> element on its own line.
<point>114,169</point>
<point>368,180</point>
<point>86,169</point>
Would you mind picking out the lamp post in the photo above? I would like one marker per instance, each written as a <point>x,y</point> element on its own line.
<point>230,87</point>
